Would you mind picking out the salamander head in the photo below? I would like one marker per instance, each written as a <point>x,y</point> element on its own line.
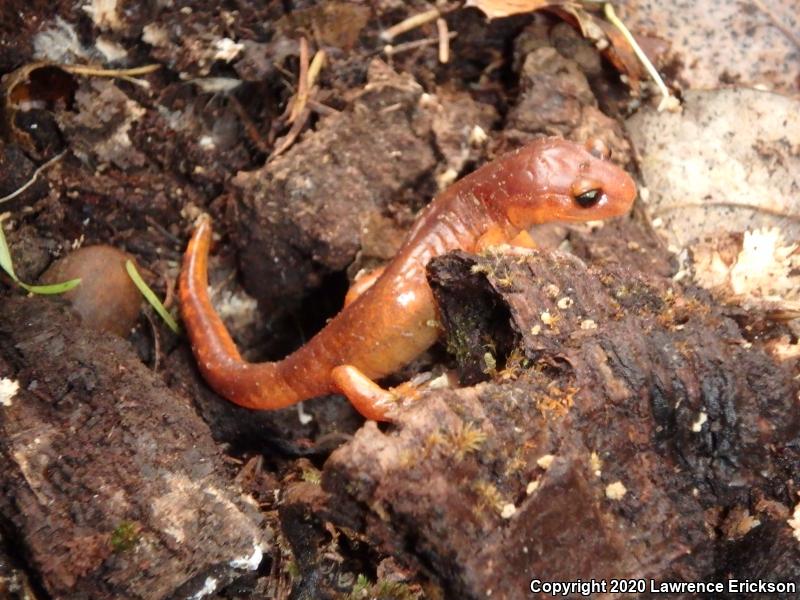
<point>557,180</point>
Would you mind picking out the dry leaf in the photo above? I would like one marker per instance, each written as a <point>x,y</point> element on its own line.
<point>761,272</point>
<point>712,43</point>
<point>496,9</point>
<point>603,34</point>
<point>728,163</point>
<point>607,38</point>
<point>34,86</point>
<point>721,179</point>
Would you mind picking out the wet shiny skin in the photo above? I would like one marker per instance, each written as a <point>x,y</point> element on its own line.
<point>392,322</point>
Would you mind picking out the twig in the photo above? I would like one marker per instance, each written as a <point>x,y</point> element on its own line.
<point>300,111</point>
<point>793,37</point>
<point>32,180</point>
<point>169,290</point>
<point>99,72</point>
<point>250,128</point>
<point>301,97</point>
<point>156,344</point>
<point>444,41</point>
<point>390,50</point>
<point>410,23</point>
<point>163,230</point>
<point>668,101</point>
<point>128,75</point>
<point>289,138</point>
<point>322,109</point>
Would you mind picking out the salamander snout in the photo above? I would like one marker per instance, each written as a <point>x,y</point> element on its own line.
<point>597,184</point>
<point>559,180</point>
<point>602,188</point>
<point>586,185</point>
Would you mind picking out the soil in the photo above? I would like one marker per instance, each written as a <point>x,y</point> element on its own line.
<point>609,421</point>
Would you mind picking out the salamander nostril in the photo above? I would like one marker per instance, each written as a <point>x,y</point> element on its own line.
<point>598,148</point>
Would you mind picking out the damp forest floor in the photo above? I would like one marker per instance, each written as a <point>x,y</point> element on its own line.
<point>607,417</point>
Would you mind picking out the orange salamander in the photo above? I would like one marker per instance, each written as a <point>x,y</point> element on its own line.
<point>386,324</point>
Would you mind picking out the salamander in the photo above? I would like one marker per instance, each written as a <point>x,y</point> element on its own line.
<point>388,322</point>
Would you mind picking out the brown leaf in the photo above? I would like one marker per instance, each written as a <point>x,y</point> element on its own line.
<point>595,28</point>
<point>495,9</point>
<point>606,37</point>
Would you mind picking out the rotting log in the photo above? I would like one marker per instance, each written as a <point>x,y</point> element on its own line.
<point>625,419</point>
<point>111,485</point>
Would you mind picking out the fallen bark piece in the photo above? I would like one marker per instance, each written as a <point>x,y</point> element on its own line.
<point>631,416</point>
<point>724,403</point>
<point>489,487</point>
<point>770,552</point>
<point>556,99</point>
<point>303,215</point>
<point>111,484</point>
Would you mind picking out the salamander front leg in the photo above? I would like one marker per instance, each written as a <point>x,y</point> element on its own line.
<point>362,284</point>
<point>523,240</point>
<point>496,236</point>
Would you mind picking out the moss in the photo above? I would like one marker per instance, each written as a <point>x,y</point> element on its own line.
<point>516,363</point>
<point>489,496</point>
<point>467,438</point>
<point>311,475</point>
<point>459,340</point>
<point>361,589</point>
<point>292,569</point>
<point>394,590</point>
<point>125,536</point>
<point>491,364</point>
<point>382,590</point>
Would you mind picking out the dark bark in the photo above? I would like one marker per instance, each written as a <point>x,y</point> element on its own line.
<point>112,486</point>
<point>303,215</point>
<point>653,414</point>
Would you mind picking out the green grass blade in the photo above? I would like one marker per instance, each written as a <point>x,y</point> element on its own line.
<point>55,288</point>
<point>8,266</point>
<point>150,296</point>
<point>5,256</point>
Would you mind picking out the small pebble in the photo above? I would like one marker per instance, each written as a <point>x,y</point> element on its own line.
<point>106,299</point>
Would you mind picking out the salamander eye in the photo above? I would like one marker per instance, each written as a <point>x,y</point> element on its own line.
<point>589,198</point>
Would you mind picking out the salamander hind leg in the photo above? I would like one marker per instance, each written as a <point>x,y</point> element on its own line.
<point>366,396</point>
